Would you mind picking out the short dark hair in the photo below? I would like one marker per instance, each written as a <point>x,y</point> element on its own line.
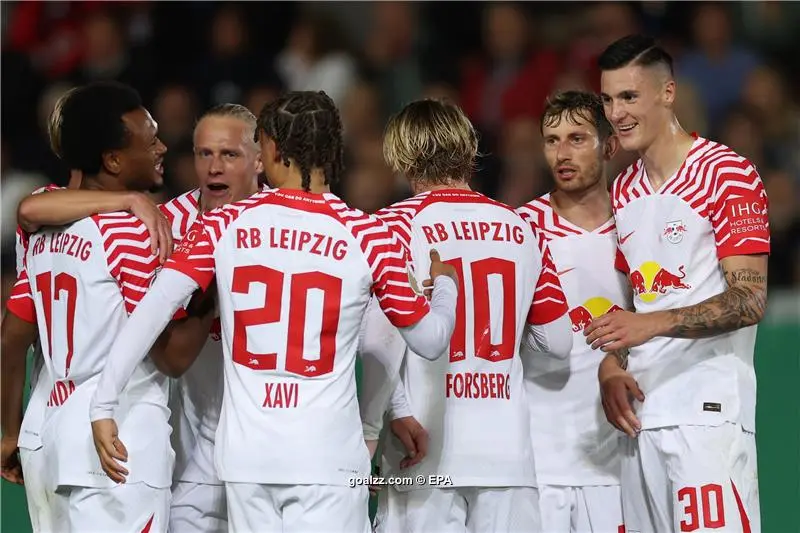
<point>306,128</point>
<point>637,50</point>
<point>572,105</point>
<point>89,123</point>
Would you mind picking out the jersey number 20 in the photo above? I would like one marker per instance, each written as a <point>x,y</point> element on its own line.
<point>270,313</point>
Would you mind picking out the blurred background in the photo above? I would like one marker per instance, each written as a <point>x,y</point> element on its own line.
<point>736,63</point>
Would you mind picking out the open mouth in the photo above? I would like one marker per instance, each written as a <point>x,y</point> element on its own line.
<point>160,167</point>
<point>566,173</point>
<point>217,188</point>
<point>626,128</point>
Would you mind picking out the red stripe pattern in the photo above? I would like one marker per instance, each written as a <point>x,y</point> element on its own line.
<point>384,252</point>
<point>721,186</point>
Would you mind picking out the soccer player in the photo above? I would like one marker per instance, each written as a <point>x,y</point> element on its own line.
<point>693,232</point>
<point>228,162</point>
<point>24,433</point>
<point>471,401</point>
<point>577,458</point>
<point>85,278</point>
<point>295,268</point>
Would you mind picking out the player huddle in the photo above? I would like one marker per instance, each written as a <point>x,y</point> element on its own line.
<point>196,360</point>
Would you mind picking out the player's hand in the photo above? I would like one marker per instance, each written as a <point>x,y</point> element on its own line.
<point>439,268</point>
<point>110,449</point>
<point>143,208</point>
<point>10,467</point>
<point>620,330</point>
<point>414,438</point>
<point>617,388</point>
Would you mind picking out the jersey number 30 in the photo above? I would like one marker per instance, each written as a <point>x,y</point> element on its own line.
<point>270,313</point>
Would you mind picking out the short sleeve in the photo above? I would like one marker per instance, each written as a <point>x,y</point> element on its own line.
<point>549,302</point>
<point>194,256</point>
<point>740,214</point>
<point>20,303</point>
<point>393,279</point>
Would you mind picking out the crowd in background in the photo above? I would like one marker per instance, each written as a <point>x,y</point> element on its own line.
<point>736,66</point>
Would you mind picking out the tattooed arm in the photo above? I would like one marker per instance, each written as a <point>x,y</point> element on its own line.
<point>742,304</point>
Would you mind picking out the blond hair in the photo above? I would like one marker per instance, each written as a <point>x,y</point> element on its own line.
<point>55,121</point>
<point>237,111</point>
<point>431,141</point>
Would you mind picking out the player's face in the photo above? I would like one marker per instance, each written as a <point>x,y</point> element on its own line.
<point>637,102</point>
<point>141,163</point>
<point>226,160</point>
<point>574,152</point>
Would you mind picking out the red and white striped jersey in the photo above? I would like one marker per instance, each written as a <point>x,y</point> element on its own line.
<point>582,448</point>
<point>294,274</point>
<point>472,401</point>
<point>85,279</point>
<point>671,242</point>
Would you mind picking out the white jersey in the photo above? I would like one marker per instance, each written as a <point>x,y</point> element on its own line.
<point>671,242</point>
<point>197,399</point>
<point>29,436</point>
<point>295,272</point>
<point>472,402</point>
<point>581,449</point>
<point>85,279</point>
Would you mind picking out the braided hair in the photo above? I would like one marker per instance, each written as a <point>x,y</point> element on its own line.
<point>306,129</point>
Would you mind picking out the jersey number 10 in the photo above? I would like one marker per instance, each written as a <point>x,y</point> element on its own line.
<point>270,313</point>
<point>479,289</point>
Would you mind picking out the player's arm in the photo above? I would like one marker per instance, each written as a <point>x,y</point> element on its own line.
<point>548,326</point>
<point>617,387</point>
<point>406,428</point>
<point>430,335</point>
<point>178,346</point>
<point>381,350</point>
<point>170,290</point>
<point>64,206</point>
<point>18,334</point>
<point>741,305</point>
<point>741,232</point>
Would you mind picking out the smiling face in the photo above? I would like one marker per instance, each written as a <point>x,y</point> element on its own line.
<point>638,103</point>
<point>574,151</point>
<point>141,162</point>
<point>226,159</point>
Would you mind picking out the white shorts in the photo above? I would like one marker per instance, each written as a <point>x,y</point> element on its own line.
<point>691,478</point>
<point>460,509</point>
<point>34,471</point>
<point>198,507</point>
<point>128,508</point>
<point>297,508</point>
<point>589,509</point>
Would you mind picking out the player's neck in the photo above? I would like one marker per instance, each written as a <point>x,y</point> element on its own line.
<point>294,181</point>
<point>588,209</point>
<point>667,153</point>
<point>101,182</point>
<point>418,187</point>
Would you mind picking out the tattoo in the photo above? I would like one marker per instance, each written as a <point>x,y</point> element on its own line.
<point>622,358</point>
<point>741,305</point>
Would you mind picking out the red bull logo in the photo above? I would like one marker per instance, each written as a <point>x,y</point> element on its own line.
<point>651,280</point>
<point>582,315</point>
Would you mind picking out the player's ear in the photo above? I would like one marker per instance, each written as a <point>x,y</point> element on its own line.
<point>259,164</point>
<point>611,147</point>
<point>112,162</point>
<point>669,92</point>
